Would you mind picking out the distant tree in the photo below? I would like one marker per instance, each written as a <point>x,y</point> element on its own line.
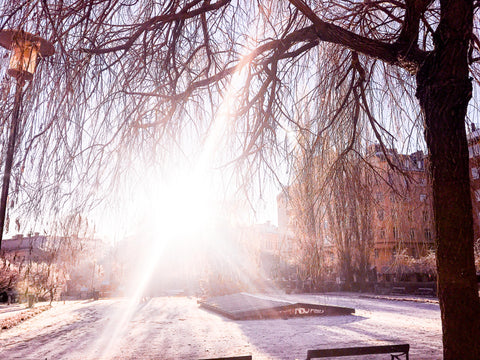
<point>9,274</point>
<point>45,268</point>
<point>129,74</point>
<point>331,207</point>
<point>304,196</point>
<point>349,207</point>
<point>45,279</point>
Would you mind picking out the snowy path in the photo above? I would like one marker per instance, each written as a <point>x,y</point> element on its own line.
<point>176,328</point>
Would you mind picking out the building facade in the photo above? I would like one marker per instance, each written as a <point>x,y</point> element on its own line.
<point>402,216</point>
<point>22,248</point>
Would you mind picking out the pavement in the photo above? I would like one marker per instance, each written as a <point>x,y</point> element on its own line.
<point>12,310</point>
<point>177,328</point>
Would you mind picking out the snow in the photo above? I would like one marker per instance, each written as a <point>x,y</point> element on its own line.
<point>177,328</point>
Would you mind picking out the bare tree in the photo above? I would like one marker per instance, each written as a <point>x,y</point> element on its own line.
<point>9,274</point>
<point>331,200</point>
<point>303,197</point>
<point>348,204</point>
<point>129,74</point>
<point>44,263</point>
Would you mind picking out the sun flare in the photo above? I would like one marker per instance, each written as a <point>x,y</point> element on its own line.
<point>182,208</point>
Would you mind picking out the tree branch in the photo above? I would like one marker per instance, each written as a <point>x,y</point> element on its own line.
<point>181,15</point>
<point>303,35</point>
<point>393,54</point>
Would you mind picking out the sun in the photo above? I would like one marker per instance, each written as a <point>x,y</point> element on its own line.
<point>182,208</point>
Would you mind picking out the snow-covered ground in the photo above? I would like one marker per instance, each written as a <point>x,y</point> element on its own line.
<point>176,328</point>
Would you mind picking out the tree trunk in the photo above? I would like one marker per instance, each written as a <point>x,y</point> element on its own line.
<point>444,90</point>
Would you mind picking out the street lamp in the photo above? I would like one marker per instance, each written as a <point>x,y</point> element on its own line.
<point>25,49</point>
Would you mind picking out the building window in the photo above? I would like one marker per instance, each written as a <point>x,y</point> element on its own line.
<point>376,253</point>
<point>394,214</point>
<point>477,194</point>
<point>393,198</point>
<point>380,214</point>
<point>423,197</point>
<point>475,173</point>
<point>428,235</point>
<point>382,233</point>
<point>395,232</point>
<point>474,150</point>
<point>410,215</point>
<point>412,234</point>
<point>425,215</point>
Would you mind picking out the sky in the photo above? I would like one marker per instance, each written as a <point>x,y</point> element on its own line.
<point>191,188</point>
<point>185,199</point>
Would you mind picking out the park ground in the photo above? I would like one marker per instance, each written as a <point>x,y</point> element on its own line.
<point>177,328</point>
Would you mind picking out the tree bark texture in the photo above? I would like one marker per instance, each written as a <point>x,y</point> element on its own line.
<point>444,90</point>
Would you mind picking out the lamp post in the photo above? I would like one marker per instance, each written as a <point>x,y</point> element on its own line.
<point>25,50</point>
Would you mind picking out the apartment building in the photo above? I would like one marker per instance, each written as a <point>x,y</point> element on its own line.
<point>22,248</point>
<point>402,216</point>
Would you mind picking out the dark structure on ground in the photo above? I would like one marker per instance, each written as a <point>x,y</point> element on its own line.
<point>243,306</point>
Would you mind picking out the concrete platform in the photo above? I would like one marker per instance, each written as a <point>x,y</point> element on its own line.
<point>244,306</point>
